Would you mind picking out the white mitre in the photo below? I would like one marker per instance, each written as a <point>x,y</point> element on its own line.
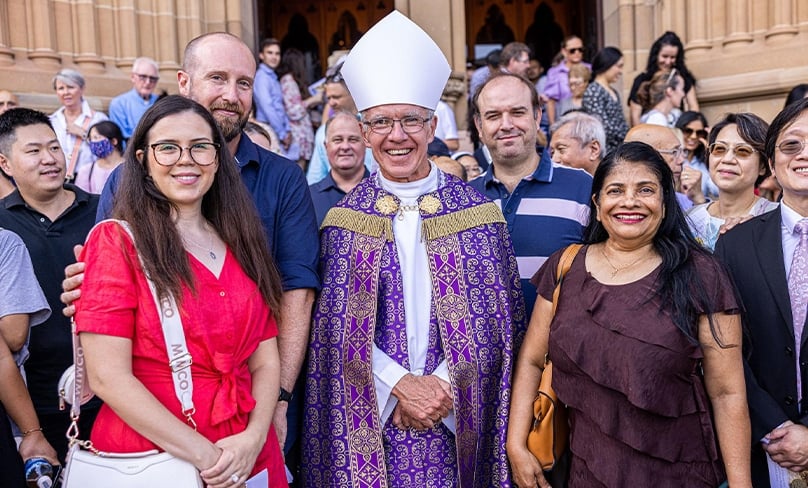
<point>395,62</point>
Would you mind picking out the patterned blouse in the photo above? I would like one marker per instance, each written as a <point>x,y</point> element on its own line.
<point>599,102</point>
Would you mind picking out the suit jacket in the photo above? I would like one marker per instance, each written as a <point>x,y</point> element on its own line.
<point>753,254</point>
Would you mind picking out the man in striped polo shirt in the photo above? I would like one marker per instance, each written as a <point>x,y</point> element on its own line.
<point>546,206</point>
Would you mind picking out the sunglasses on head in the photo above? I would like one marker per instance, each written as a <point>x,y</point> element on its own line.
<point>574,50</point>
<point>701,133</point>
<point>670,76</point>
<point>334,78</point>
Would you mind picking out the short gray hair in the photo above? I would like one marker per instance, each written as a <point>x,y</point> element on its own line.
<point>340,113</point>
<point>69,77</point>
<point>585,128</point>
<point>145,60</point>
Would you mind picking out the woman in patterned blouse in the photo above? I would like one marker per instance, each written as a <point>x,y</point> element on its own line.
<point>602,100</point>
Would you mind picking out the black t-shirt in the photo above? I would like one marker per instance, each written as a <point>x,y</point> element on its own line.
<point>642,77</point>
<point>50,245</point>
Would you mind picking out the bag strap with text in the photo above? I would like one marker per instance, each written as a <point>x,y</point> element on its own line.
<point>179,359</point>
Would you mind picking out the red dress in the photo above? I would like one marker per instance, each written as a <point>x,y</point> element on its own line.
<point>223,323</point>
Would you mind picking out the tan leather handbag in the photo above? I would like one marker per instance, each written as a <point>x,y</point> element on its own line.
<point>549,435</point>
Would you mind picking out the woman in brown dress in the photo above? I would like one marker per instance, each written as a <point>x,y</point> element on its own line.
<point>645,344</point>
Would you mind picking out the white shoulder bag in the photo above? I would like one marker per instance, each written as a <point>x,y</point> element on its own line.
<point>87,467</point>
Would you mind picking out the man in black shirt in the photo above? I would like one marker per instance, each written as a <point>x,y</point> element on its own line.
<point>51,217</point>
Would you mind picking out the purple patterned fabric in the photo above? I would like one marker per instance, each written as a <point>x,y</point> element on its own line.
<point>798,291</point>
<point>477,315</point>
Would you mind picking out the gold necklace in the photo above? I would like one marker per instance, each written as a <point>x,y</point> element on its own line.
<point>621,268</point>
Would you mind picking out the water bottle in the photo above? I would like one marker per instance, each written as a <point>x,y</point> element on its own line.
<point>38,473</point>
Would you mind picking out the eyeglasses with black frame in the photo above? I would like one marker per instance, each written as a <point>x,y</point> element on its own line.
<point>384,125</point>
<point>790,147</point>
<point>574,50</point>
<point>169,153</point>
<point>741,151</point>
<point>144,78</point>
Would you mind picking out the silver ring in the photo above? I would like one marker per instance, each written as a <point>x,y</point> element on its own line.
<point>234,478</point>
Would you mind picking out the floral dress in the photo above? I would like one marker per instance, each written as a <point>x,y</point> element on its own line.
<point>299,120</point>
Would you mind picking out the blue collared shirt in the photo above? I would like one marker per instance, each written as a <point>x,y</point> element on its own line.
<point>547,210</point>
<point>325,194</point>
<point>268,100</point>
<point>127,109</point>
<point>284,205</point>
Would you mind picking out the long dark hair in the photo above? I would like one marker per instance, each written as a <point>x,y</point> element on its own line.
<point>294,62</point>
<point>685,119</point>
<point>669,39</point>
<point>752,130</point>
<point>679,285</point>
<point>226,205</point>
<point>605,59</point>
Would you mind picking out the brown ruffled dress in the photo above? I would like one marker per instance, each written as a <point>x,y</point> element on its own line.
<point>638,409</point>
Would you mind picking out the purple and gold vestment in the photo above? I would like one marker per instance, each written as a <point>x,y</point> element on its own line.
<point>477,317</point>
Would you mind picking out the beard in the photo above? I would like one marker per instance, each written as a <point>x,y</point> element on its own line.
<point>230,128</point>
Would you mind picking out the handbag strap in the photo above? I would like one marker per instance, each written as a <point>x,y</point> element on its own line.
<point>179,359</point>
<point>564,265</point>
<point>74,156</point>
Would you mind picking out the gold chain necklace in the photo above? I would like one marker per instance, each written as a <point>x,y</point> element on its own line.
<point>621,268</point>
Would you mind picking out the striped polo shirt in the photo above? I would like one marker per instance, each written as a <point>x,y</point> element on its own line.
<point>547,210</point>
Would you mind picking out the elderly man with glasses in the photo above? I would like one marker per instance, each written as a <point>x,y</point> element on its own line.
<point>667,144</point>
<point>414,331</point>
<point>127,109</point>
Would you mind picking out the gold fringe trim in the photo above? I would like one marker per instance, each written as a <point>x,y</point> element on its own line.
<point>487,213</point>
<point>353,220</point>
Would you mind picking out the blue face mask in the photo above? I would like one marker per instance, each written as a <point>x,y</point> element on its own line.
<point>102,148</point>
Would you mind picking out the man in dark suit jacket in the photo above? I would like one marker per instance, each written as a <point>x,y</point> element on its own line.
<point>758,254</point>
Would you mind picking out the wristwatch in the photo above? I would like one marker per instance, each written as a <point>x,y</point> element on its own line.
<point>286,396</point>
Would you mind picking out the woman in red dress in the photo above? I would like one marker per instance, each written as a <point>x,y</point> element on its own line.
<point>199,238</point>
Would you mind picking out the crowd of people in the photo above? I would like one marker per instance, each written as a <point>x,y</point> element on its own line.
<point>402,343</point>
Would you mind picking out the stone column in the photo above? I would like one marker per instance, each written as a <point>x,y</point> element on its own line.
<point>782,15</point>
<point>6,54</point>
<point>189,24</point>
<point>638,32</point>
<point>675,19</point>
<point>85,31</point>
<point>444,21</point>
<point>697,15</point>
<point>126,34</point>
<point>737,23</point>
<point>40,21</point>
<point>166,20</point>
